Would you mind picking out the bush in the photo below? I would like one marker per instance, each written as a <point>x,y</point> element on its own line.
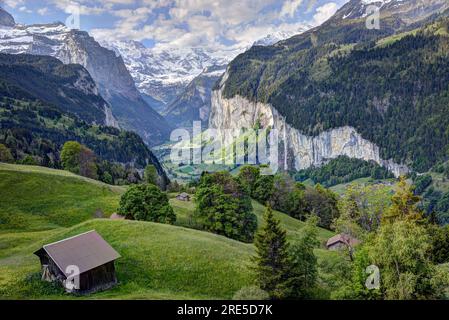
<point>151,175</point>
<point>29,161</point>
<point>323,203</point>
<point>5,154</point>
<point>251,293</point>
<point>148,203</point>
<point>223,206</point>
<point>79,159</point>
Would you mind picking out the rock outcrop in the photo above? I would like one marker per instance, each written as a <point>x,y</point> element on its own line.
<point>6,19</point>
<point>194,103</point>
<point>108,70</point>
<point>302,151</point>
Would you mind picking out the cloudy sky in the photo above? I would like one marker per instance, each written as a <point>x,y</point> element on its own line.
<point>179,23</point>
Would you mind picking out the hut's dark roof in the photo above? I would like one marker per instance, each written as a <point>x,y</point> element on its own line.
<point>184,195</point>
<point>86,251</point>
<point>343,238</point>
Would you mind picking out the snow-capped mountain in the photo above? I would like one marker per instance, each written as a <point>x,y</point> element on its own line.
<point>106,68</point>
<point>177,82</point>
<point>275,37</point>
<point>164,74</point>
<point>194,103</point>
<point>408,10</point>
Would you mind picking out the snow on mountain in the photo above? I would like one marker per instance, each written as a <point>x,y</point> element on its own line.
<point>107,69</point>
<point>275,37</point>
<point>164,74</point>
<point>408,11</point>
<point>25,39</point>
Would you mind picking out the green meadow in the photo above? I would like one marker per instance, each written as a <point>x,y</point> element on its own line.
<point>40,205</point>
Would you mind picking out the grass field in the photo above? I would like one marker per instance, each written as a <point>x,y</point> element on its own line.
<point>341,188</point>
<point>158,261</point>
<point>184,211</point>
<point>36,198</point>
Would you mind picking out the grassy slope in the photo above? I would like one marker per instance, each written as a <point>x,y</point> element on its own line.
<point>158,261</point>
<point>341,188</point>
<point>293,226</point>
<point>36,198</point>
<point>184,210</point>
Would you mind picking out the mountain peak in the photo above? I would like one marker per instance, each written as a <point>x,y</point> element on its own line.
<point>408,11</point>
<point>275,37</point>
<point>6,19</point>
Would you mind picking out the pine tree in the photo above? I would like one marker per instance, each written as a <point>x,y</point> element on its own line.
<point>304,272</point>
<point>272,261</point>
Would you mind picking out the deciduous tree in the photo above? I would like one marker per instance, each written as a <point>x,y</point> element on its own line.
<point>146,202</point>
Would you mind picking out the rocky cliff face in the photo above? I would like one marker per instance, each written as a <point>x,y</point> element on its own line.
<point>302,150</point>
<point>6,19</point>
<point>194,103</point>
<point>107,69</point>
<point>70,88</point>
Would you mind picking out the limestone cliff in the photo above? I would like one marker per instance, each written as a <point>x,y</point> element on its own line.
<point>108,70</point>
<point>302,150</point>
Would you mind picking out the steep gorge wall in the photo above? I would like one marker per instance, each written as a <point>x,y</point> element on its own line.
<point>302,151</point>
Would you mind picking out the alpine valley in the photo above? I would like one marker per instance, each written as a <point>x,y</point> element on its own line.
<point>108,70</point>
<point>356,209</point>
<point>343,89</point>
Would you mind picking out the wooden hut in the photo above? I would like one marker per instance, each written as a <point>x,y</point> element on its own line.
<point>183,197</point>
<point>341,241</point>
<point>83,263</point>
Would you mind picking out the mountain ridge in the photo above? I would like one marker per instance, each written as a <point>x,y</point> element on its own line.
<point>43,105</point>
<point>108,71</point>
<point>337,75</point>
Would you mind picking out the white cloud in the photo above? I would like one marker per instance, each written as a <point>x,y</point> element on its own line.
<point>12,3</point>
<point>81,6</point>
<point>290,7</point>
<point>43,11</point>
<point>25,9</point>
<point>325,12</point>
<point>175,23</point>
<point>192,22</point>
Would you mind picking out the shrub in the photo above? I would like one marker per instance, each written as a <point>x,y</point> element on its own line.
<point>79,159</point>
<point>224,207</point>
<point>151,175</point>
<point>5,154</point>
<point>29,161</point>
<point>148,203</point>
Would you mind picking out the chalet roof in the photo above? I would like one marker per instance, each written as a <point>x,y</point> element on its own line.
<point>343,238</point>
<point>86,251</point>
